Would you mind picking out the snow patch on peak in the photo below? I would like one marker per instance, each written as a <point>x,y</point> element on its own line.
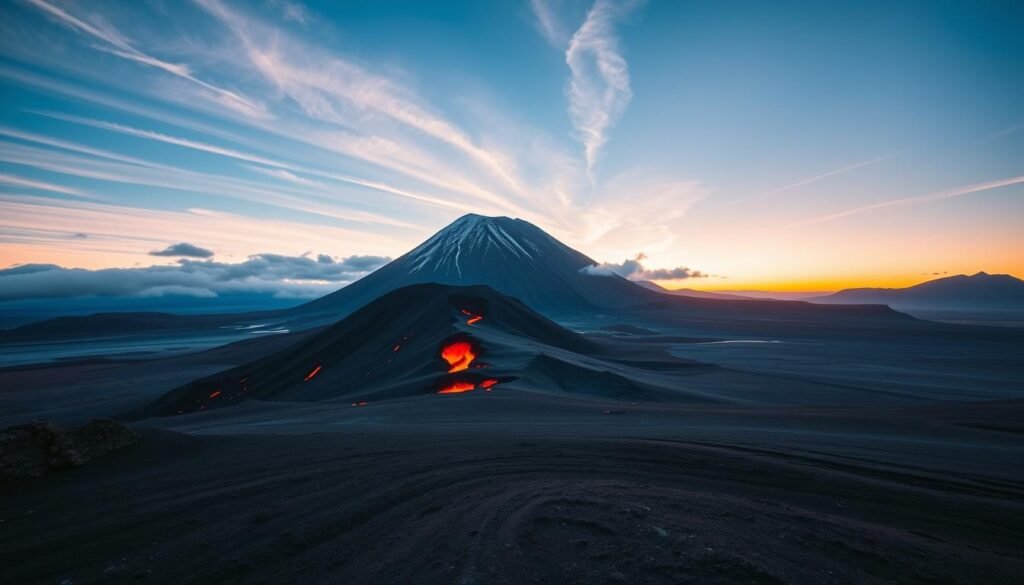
<point>466,236</point>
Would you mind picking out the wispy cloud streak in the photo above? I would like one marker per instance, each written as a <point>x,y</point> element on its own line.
<point>117,44</point>
<point>599,85</point>
<point>326,85</point>
<point>170,177</point>
<point>937,196</point>
<point>131,231</point>
<point>548,24</point>
<point>810,180</point>
<point>253,158</point>
<point>22,182</point>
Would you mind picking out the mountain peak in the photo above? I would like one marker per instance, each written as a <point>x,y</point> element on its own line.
<point>476,217</point>
<point>511,255</point>
<point>480,225</point>
<point>471,236</point>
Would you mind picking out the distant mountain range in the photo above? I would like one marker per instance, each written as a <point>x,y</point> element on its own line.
<point>981,291</point>
<point>689,292</point>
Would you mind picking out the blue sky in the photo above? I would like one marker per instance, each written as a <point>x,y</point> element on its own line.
<point>791,145</point>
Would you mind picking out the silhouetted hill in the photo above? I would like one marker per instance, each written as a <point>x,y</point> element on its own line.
<point>980,291</point>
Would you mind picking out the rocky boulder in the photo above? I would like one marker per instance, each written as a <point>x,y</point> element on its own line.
<point>32,449</point>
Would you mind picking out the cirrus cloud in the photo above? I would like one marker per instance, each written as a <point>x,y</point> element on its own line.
<point>598,88</point>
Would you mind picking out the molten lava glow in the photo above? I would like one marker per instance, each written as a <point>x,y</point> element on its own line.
<point>473,318</point>
<point>459,355</point>
<point>457,387</point>
<point>312,374</point>
<point>215,394</point>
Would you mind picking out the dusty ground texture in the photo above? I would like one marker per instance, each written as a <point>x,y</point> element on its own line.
<point>387,506</point>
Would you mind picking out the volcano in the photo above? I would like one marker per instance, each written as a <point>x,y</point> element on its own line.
<point>435,339</point>
<point>512,256</point>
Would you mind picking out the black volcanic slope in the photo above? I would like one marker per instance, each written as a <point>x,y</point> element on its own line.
<point>512,256</point>
<point>395,347</point>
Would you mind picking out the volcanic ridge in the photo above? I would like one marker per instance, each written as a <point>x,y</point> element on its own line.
<point>435,339</point>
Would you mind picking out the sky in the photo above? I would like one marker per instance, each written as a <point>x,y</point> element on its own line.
<point>213,147</point>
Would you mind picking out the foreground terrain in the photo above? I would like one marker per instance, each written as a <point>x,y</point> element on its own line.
<point>544,492</point>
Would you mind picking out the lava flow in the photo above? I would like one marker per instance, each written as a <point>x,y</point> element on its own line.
<point>458,354</point>
<point>464,386</point>
<point>312,374</point>
<point>457,387</point>
<point>473,318</point>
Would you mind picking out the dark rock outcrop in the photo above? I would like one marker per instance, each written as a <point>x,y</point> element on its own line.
<point>32,449</point>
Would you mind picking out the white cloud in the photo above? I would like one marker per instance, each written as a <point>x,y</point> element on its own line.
<point>16,181</point>
<point>38,228</point>
<point>813,179</point>
<point>599,85</point>
<point>169,177</point>
<point>331,88</point>
<point>285,176</point>
<point>282,171</point>
<point>937,196</point>
<point>95,27</point>
<point>279,275</point>
<point>634,269</point>
<point>547,23</point>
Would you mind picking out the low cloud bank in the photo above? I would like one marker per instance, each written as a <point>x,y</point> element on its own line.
<point>282,277</point>
<point>635,270</point>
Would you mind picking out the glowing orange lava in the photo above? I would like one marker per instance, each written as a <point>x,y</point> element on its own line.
<point>215,394</point>
<point>473,318</point>
<point>460,387</point>
<point>312,374</point>
<point>459,355</point>
<point>457,387</point>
